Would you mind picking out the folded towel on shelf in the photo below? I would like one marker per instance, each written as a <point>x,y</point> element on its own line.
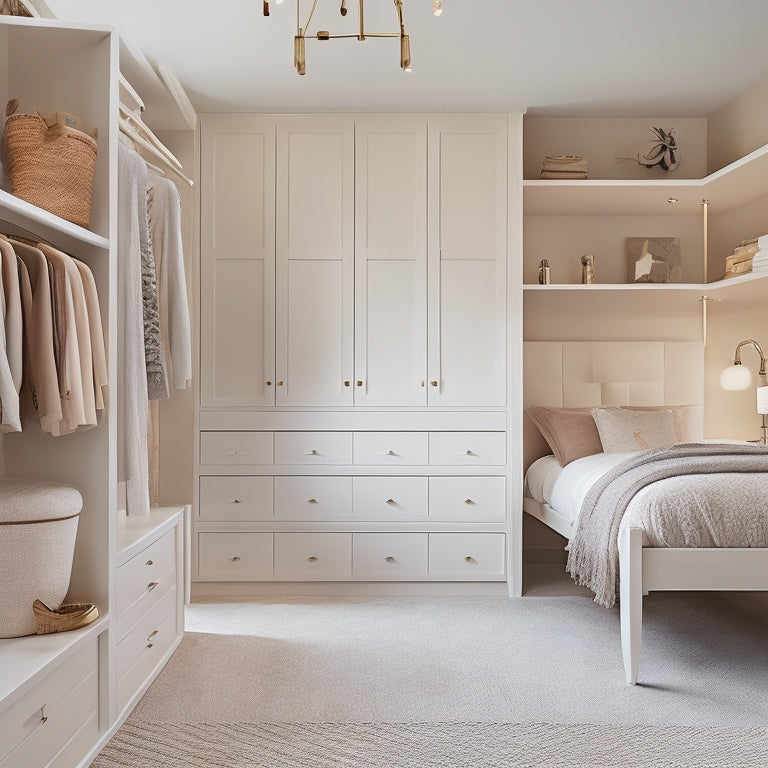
<point>572,166</point>
<point>762,241</point>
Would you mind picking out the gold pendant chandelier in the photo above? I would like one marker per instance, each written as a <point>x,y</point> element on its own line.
<point>302,33</point>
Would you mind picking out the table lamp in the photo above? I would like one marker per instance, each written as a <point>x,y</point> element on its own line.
<point>738,376</point>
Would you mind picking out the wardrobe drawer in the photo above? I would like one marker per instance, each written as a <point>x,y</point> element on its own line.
<point>40,723</point>
<point>233,498</point>
<point>313,448</point>
<point>467,449</point>
<point>126,619</point>
<point>231,448</point>
<point>308,498</point>
<point>234,556</point>
<point>467,556</point>
<point>389,556</point>
<point>141,651</point>
<point>145,635</point>
<point>313,556</point>
<point>144,574</point>
<point>391,448</point>
<point>467,498</point>
<point>390,498</point>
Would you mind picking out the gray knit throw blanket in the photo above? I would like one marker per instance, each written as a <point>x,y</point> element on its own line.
<point>593,552</point>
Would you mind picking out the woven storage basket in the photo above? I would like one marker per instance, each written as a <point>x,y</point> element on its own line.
<point>38,528</point>
<point>50,164</point>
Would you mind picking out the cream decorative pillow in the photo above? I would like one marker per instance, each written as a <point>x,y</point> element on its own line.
<point>570,432</point>
<point>622,430</point>
<point>687,419</point>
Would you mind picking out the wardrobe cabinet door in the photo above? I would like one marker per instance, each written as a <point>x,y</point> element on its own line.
<point>467,261</point>
<point>390,261</point>
<point>315,261</point>
<point>237,262</point>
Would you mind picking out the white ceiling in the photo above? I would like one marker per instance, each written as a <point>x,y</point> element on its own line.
<point>554,57</point>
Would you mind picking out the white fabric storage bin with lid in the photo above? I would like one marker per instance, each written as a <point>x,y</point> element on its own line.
<point>38,528</point>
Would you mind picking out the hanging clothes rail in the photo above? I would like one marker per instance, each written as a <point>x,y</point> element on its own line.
<point>134,128</point>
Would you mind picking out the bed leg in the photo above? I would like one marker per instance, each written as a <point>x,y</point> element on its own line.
<point>631,599</point>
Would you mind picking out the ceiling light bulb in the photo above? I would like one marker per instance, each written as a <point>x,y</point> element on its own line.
<point>437,7</point>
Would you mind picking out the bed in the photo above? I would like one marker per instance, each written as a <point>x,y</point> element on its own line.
<point>630,381</point>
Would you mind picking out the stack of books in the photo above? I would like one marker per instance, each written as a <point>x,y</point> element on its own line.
<point>564,167</point>
<point>741,260</point>
<point>760,259</point>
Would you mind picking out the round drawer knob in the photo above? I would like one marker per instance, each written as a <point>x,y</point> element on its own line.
<point>469,453</point>
<point>433,383</point>
<point>312,559</point>
<point>391,501</point>
<point>311,501</point>
<point>468,501</point>
<point>390,559</point>
<point>235,558</point>
<point>469,559</point>
<point>149,562</point>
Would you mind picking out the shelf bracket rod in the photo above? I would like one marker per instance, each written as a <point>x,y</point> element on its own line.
<point>704,218</point>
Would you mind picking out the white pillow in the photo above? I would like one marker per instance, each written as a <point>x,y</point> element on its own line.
<point>623,430</point>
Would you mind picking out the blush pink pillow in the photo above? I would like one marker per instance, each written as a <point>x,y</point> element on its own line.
<point>570,432</point>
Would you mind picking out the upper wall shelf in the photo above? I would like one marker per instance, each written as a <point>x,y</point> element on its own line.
<point>731,186</point>
<point>25,218</point>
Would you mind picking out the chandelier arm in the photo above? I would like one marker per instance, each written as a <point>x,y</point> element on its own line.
<point>302,32</point>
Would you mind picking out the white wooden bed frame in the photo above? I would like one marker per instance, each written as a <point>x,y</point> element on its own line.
<point>646,569</point>
<point>579,374</point>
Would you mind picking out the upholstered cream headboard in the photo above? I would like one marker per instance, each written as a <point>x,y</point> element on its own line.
<point>577,374</point>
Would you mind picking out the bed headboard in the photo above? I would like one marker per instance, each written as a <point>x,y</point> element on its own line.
<point>578,374</point>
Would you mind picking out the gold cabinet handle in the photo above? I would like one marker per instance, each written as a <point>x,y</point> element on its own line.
<point>359,382</point>
<point>469,559</point>
<point>235,558</point>
<point>390,559</point>
<point>149,562</point>
<point>391,501</point>
<point>312,501</point>
<point>235,501</point>
<point>152,585</point>
<point>236,453</point>
<point>280,383</point>
<point>313,452</point>
<point>390,452</point>
<point>312,559</point>
<point>346,382</point>
<point>151,637</point>
<point>43,717</point>
<point>468,452</point>
<point>422,382</point>
<point>433,383</point>
<point>269,383</point>
<point>468,501</point>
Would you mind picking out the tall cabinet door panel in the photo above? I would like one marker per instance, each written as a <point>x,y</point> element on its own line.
<point>315,261</point>
<point>467,260</point>
<point>237,327</point>
<point>391,260</point>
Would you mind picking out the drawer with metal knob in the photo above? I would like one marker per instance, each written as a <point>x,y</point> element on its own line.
<point>390,498</point>
<point>469,449</point>
<point>389,556</point>
<point>235,448</point>
<point>391,448</point>
<point>312,497</point>
<point>233,498</point>
<point>237,556</point>
<point>467,498</point>
<point>313,556</point>
<point>467,556</point>
<point>313,448</point>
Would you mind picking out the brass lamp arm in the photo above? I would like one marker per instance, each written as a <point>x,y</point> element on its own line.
<point>737,356</point>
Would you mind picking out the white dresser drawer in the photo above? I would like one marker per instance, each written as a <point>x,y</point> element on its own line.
<point>467,449</point>
<point>467,556</point>
<point>309,498</point>
<point>235,448</point>
<point>390,498</point>
<point>142,649</point>
<point>234,556</point>
<point>389,556</point>
<point>467,498</point>
<point>145,635</point>
<point>313,556</point>
<point>143,579</point>
<point>313,448</point>
<point>391,448</point>
<point>233,498</point>
<point>41,722</point>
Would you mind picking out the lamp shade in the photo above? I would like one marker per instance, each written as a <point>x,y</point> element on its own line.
<point>762,400</point>
<point>735,377</point>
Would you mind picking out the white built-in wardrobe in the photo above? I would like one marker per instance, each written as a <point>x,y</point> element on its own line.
<point>359,350</point>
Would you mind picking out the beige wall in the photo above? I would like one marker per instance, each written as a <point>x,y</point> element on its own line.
<point>738,128</point>
<point>177,413</point>
<point>602,140</point>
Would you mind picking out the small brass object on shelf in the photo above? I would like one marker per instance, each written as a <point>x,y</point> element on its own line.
<point>587,269</point>
<point>544,272</point>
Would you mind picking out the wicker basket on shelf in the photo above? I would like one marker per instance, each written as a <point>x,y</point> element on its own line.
<point>50,163</point>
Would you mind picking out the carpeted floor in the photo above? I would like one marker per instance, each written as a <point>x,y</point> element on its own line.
<point>455,681</point>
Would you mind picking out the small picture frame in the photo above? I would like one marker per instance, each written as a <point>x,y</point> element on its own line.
<point>654,260</point>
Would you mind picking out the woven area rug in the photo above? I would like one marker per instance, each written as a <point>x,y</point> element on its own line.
<point>427,745</point>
